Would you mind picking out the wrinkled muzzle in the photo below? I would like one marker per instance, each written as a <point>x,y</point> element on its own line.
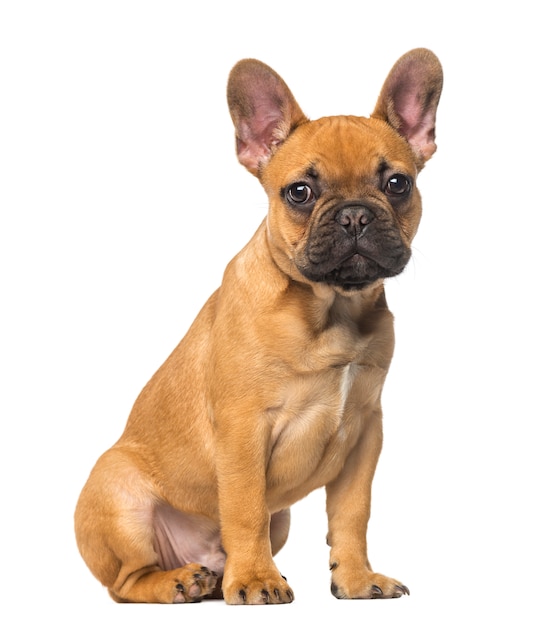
<point>354,245</point>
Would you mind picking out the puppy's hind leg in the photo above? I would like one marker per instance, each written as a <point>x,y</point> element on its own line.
<point>279,529</point>
<point>114,524</point>
<point>189,583</point>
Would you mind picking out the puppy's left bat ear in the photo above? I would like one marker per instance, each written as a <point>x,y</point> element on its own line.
<point>409,98</point>
<point>263,110</point>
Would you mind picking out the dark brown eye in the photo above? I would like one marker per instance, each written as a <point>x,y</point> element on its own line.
<point>300,194</point>
<point>397,185</point>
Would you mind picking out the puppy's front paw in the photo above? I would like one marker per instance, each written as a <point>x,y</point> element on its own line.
<point>367,585</point>
<point>271,588</point>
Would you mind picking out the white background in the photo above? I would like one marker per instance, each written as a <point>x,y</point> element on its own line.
<point>122,200</point>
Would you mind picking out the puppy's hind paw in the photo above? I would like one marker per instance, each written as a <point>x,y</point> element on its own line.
<point>193,582</point>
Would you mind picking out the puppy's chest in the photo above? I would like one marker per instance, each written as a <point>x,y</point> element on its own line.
<point>316,422</point>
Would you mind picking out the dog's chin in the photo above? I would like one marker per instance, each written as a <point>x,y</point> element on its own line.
<point>353,274</point>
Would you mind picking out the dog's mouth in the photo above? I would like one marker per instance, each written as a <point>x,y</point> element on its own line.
<point>357,270</point>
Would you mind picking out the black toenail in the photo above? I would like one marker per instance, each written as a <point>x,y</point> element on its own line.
<point>377,591</point>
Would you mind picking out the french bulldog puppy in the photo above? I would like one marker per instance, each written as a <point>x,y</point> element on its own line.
<point>275,389</point>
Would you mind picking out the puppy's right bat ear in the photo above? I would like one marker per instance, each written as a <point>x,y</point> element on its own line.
<point>263,110</point>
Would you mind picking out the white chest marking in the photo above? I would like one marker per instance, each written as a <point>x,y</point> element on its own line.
<point>346,382</point>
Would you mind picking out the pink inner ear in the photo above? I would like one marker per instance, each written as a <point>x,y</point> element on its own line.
<point>423,138</point>
<point>267,111</point>
<point>263,125</point>
<point>408,110</point>
<point>256,138</point>
<point>417,125</point>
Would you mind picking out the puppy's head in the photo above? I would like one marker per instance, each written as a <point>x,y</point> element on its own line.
<point>344,206</point>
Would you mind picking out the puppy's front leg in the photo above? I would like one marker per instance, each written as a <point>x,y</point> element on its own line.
<point>250,575</point>
<point>348,509</point>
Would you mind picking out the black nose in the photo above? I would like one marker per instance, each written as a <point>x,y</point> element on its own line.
<point>354,219</point>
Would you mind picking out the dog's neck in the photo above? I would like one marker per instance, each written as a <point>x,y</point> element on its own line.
<point>328,302</point>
